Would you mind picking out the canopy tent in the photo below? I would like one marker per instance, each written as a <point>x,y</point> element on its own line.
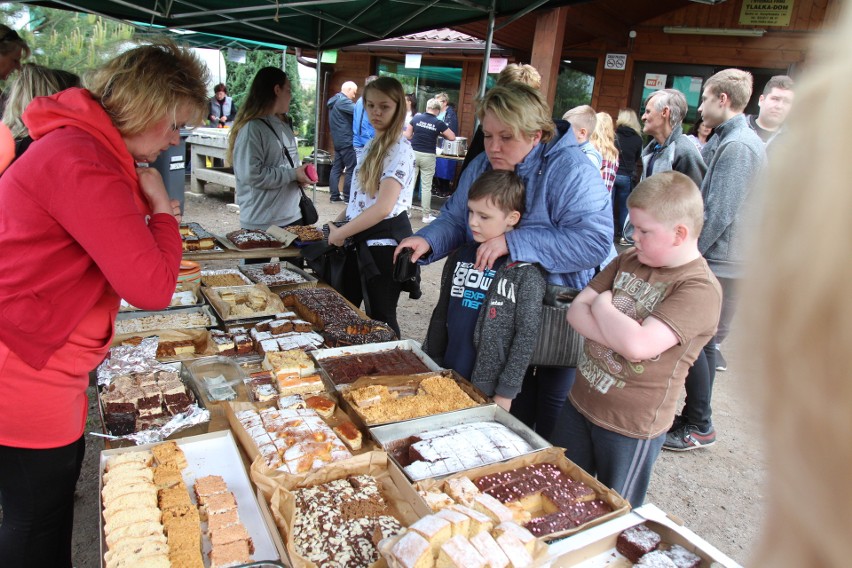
<point>313,24</point>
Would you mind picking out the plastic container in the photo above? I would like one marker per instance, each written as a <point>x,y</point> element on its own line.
<point>217,378</point>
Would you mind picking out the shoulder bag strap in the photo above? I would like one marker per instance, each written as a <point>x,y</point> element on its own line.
<point>283,145</point>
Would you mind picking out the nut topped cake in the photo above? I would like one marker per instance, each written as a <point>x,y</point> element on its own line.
<point>340,523</point>
<point>435,394</point>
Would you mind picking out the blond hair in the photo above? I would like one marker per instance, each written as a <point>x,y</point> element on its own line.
<point>374,160</point>
<point>520,107</point>
<point>582,116</point>
<point>671,198</point>
<point>627,117</point>
<point>735,83</point>
<point>148,83</point>
<point>33,81</point>
<point>603,138</point>
<point>517,73</point>
<point>801,333</point>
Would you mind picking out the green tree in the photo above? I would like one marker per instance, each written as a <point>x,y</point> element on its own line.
<point>573,88</point>
<point>67,40</point>
<point>240,75</point>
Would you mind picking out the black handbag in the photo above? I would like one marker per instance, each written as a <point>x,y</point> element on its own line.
<point>559,344</point>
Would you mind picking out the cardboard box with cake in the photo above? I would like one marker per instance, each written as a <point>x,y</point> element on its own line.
<point>384,399</point>
<point>440,445</point>
<point>544,492</point>
<point>644,537</point>
<point>173,344</point>
<point>233,303</point>
<point>345,365</point>
<point>336,517</point>
<point>181,504</point>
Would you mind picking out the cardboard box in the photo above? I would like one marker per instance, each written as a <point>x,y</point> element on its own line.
<point>410,383</point>
<point>555,456</point>
<point>596,547</point>
<point>395,491</point>
<point>216,454</point>
<point>223,309</point>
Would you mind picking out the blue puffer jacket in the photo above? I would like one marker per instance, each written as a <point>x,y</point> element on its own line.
<point>567,227</point>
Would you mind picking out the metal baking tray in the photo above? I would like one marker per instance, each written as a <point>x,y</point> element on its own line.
<point>205,309</point>
<point>386,435</point>
<point>310,281</point>
<point>320,355</point>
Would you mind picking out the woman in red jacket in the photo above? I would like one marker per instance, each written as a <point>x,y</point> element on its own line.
<point>80,228</point>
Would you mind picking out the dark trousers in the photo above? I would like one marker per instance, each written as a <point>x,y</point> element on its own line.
<point>37,497</point>
<point>344,158</point>
<point>699,388</point>
<point>622,463</point>
<point>620,192</point>
<point>382,291</point>
<point>729,306</point>
<point>541,398</point>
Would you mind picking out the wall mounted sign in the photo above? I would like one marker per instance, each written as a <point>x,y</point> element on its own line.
<point>616,61</point>
<point>766,12</point>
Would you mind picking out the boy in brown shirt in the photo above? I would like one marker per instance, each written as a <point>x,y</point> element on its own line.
<point>645,318</point>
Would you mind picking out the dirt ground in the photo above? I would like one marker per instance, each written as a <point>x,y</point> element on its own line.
<point>717,492</point>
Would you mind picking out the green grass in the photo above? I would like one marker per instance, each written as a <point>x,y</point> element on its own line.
<point>305,151</point>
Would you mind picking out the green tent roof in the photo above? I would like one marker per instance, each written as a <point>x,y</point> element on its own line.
<point>317,24</point>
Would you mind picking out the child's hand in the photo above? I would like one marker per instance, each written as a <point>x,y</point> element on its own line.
<point>489,251</point>
<point>503,402</point>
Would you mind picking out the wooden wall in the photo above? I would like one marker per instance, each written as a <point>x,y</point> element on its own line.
<point>780,48</point>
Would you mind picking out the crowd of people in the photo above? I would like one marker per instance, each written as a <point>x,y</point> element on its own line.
<point>540,205</point>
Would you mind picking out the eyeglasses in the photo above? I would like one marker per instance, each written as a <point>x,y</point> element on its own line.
<point>178,127</point>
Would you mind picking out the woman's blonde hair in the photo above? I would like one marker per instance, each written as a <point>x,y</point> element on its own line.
<point>520,73</point>
<point>627,117</point>
<point>259,101</point>
<point>374,160</point>
<point>520,107</point>
<point>148,83</point>
<point>603,137</point>
<point>799,315</point>
<point>33,81</point>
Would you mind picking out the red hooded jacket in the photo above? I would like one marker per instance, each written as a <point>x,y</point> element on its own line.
<point>74,226</point>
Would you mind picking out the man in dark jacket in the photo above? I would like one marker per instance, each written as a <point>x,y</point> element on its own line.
<point>340,112</point>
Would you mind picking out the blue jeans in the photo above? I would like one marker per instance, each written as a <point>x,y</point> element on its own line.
<point>343,158</point>
<point>620,191</point>
<point>622,463</point>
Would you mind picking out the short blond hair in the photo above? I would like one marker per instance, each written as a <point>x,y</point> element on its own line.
<point>671,198</point>
<point>520,107</point>
<point>735,83</point>
<point>520,73</point>
<point>582,116</point>
<point>148,83</point>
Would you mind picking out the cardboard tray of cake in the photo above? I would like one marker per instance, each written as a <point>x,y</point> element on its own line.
<point>343,365</point>
<point>469,438</point>
<point>185,295</point>
<point>121,428</point>
<point>279,276</point>
<point>385,399</point>
<point>179,318</point>
<point>174,344</point>
<point>278,238</point>
<point>597,547</point>
<point>532,491</point>
<point>213,454</point>
<point>241,303</point>
<point>394,490</point>
<point>301,441</point>
<point>197,239</point>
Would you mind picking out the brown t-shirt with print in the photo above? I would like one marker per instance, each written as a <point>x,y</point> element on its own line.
<point>638,399</point>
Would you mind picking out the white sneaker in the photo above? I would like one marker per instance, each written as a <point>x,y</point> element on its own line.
<point>428,219</point>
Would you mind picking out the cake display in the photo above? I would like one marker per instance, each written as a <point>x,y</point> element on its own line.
<point>229,540</point>
<point>244,302</point>
<point>177,319</point>
<point>143,400</point>
<point>347,368</point>
<point>447,450</point>
<point>305,233</point>
<point>223,278</point>
<point>340,523</point>
<point>195,238</point>
<point>252,238</point>
<point>379,404</point>
<point>357,332</point>
<point>320,306</point>
<point>294,441</point>
<point>637,541</point>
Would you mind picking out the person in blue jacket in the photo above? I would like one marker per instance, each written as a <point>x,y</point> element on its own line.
<point>567,228</point>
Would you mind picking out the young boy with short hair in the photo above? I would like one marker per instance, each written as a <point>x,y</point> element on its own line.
<point>584,120</point>
<point>645,318</point>
<point>486,323</point>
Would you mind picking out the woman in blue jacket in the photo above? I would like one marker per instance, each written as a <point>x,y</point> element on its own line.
<point>567,228</point>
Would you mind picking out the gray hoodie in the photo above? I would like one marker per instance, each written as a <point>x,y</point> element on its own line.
<point>735,156</point>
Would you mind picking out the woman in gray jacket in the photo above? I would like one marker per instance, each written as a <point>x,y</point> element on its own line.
<point>262,148</point>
